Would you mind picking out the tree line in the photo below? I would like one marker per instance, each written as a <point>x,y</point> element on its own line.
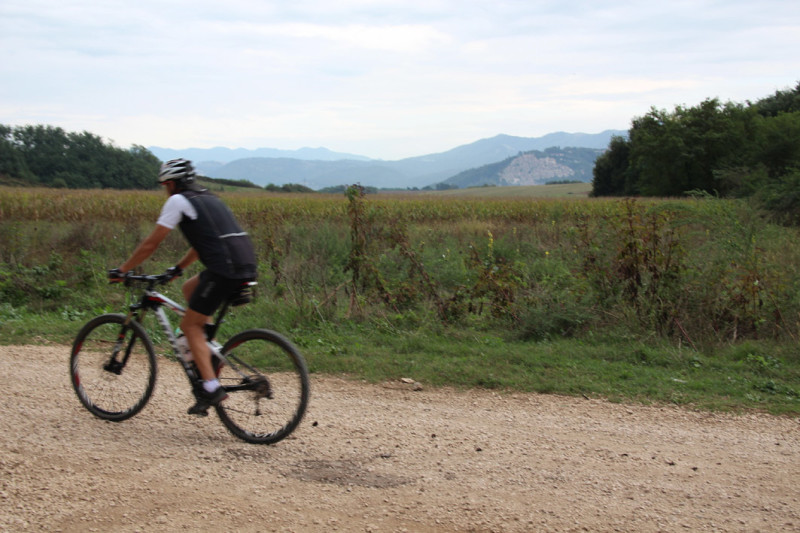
<point>51,157</point>
<point>722,149</point>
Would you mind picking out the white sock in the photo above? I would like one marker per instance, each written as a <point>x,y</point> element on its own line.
<point>211,385</point>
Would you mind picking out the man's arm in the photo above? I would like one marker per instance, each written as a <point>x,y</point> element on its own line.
<point>146,248</point>
<point>188,259</point>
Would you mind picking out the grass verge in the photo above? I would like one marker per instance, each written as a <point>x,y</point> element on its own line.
<point>761,376</point>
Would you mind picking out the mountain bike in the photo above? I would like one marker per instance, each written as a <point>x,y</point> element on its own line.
<point>113,366</point>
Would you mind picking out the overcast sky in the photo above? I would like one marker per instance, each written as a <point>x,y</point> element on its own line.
<point>383,78</point>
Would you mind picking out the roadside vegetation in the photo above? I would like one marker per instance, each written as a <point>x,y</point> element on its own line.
<point>688,301</point>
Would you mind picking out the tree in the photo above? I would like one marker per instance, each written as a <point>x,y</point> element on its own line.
<point>12,163</point>
<point>45,155</point>
<point>778,146</point>
<point>787,101</point>
<point>673,153</point>
<point>143,168</point>
<point>43,149</point>
<point>612,173</point>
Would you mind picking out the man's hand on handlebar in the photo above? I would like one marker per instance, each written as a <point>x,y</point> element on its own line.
<point>174,272</point>
<point>115,275</point>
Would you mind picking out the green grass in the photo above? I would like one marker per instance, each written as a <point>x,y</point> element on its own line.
<point>753,376</point>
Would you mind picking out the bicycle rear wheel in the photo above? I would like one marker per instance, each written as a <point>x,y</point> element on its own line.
<point>268,386</point>
<point>113,367</point>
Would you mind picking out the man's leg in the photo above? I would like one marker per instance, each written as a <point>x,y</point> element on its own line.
<point>193,326</point>
<point>189,286</point>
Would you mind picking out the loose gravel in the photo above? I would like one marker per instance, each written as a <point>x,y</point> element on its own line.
<point>387,458</point>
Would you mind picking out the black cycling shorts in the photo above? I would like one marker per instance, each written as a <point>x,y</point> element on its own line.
<point>211,291</point>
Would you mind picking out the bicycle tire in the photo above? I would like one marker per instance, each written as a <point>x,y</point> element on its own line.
<point>108,384</point>
<point>263,356</point>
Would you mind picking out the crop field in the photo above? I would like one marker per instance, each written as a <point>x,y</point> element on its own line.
<point>555,190</point>
<point>687,301</point>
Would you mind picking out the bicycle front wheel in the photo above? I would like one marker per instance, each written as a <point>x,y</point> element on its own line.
<point>268,386</point>
<point>113,367</point>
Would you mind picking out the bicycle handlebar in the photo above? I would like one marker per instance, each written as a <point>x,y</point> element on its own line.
<point>149,280</point>
<point>129,279</point>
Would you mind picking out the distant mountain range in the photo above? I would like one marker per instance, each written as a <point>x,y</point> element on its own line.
<point>226,155</point>
<point>318,168</point>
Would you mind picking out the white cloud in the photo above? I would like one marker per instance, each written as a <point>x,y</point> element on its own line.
<point>401,38</point>
<point>385,78</point>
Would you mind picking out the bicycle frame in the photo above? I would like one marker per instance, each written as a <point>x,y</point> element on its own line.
<point>157,302</point>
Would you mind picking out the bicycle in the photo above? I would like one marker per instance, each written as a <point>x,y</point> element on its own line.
<point>113,366</point>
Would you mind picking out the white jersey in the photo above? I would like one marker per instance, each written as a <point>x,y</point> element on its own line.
<point>174,209</point>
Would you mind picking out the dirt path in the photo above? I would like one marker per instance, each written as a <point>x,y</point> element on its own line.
<point>387,458</point>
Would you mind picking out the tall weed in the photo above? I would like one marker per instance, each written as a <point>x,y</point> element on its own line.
<point>695,271</point>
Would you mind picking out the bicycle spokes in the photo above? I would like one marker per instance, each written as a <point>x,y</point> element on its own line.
<point>267,384</point>
<point>113,367</point>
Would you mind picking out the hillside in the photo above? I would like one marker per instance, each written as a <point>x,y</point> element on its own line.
<point>313,174</point>
<point>420,171</point>
<point>532,168</point>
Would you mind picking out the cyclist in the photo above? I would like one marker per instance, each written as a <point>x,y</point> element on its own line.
<point>219,243</point>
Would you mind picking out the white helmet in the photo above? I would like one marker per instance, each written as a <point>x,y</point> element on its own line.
<point>180,170</point>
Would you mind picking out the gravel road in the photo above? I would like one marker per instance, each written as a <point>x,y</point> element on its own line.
<point>387,458</point>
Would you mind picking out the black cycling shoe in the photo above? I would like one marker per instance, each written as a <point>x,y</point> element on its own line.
<point>206,400</point>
